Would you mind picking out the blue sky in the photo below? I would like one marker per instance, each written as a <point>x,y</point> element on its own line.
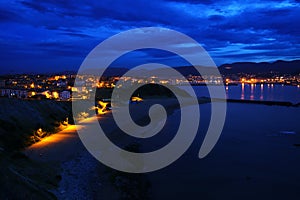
<point>52,36</point>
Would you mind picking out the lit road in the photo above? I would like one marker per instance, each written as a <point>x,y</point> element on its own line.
<point>63,145</point>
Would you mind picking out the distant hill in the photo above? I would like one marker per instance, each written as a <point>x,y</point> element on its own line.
<point>264,68</point>
<point>189,70</point>
<point>111,71</point>
<point>261,69</point>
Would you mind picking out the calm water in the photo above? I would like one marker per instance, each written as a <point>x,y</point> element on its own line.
<point>255,157</point>
<point>267,92</point>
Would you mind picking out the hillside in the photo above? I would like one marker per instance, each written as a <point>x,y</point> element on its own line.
<point>20,177</point>
<point>21,119</point>
<point>264,68</point>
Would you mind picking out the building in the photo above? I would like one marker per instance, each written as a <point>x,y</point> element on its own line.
<point>13,93</point>
<point>65,95</point>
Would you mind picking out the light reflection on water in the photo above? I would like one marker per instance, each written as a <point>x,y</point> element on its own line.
<point>252,92</point>
<point>261,92</point>
<point>243,92</point>
<point>264,92</point>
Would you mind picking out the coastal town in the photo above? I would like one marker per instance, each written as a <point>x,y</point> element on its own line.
<point>60,87</point>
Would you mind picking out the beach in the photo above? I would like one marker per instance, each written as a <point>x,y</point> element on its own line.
<point>256,157</point>
<point>84,177</point>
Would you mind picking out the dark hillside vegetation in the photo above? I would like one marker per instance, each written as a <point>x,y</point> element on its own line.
<point>20,121</point>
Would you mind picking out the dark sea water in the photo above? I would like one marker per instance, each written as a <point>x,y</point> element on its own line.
<point>267,92</point>
<point>264,92</point>
<point>256,157</point>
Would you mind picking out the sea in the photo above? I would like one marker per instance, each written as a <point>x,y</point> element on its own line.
<point>257,155</point>
<point>263,92</point>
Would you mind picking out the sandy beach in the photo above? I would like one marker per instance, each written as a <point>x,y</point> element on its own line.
<point>83,177</point>
<point>256,157</point>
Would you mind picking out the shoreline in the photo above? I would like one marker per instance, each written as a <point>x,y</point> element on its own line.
<point>65,149</point>
<point>74,185</point>
<point>269,103</point>
<point>247,101</point>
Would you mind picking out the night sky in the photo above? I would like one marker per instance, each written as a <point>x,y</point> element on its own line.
<point>55,36</point>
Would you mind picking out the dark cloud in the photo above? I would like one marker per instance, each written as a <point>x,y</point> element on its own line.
<point>8,16</point>
<point>206,2</point>
<point>282,21</point>
<point>81,35</point>
<point>277,12</point>
<point>35,6</point>
<point>272,46</point>
<point>65,31</point>
<point>217,18</point>
<point>154,53</point>
<point>59,45</point>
